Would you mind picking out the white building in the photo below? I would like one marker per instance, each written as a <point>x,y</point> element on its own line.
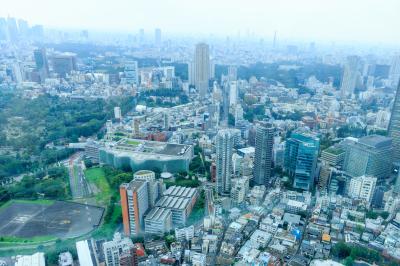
<point>117,113</point>
<point>158,221</point>
<point>186,233</point>
<point>362,187</point>
<point>36,259</point>
<point>113,249</point>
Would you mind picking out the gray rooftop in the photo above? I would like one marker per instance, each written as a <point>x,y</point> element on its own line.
<point>376,141</point>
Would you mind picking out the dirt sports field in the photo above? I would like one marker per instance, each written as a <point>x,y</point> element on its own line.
<point>58,219</point>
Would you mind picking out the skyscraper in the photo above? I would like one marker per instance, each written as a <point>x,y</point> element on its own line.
<point>134,204</point>
<point>233,92</point>
<point>394,74</point>
<point>202,68</point>
<point>224,144</point>
<point>301,155</point>
<point>12,29</point>
<point>42,64</point>
<point>350,76</point>
<point>263,153</point>
<point>157,37</point>
<point>394,126</point>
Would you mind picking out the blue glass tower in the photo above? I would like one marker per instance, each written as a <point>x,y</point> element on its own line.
<point>301,156</point>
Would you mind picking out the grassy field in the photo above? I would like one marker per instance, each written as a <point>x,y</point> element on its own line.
<point>16,240</point>
<point>97,177</point>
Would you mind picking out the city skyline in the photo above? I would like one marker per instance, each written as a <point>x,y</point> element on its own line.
<point>341,21</point>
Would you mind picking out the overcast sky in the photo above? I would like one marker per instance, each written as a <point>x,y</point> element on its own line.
<point>330,20</point>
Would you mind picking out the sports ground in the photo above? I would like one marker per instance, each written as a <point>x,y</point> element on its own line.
<point>24,219</point>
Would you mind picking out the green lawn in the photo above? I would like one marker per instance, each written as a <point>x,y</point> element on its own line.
<point>97,177</point>
<point>19,240</point>
<point>133,142</point>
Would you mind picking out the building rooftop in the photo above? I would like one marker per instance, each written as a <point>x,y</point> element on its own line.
<point>177,191</point>
<point>157,214</point>
<point>171,202</point>
<point>375,141</point>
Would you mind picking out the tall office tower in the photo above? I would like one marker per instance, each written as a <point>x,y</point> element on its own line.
<point>370,155</point>
<point>3,29</point>
<point>12,29</point>
<point>191,72</point>
<point>157,37</point>
<point>202,68</point>
<point>129,258</point>
<point>301,153</point>
<point>134,204</point>
<point>42,64</point>
<point>113,249</point>
<point>263,153</point>
<point>23,28</point>
<point>232,73</point>
<point>225,140</point>
<point>274,42</point>
<point>64,64</point>
<point>394,74</point>
<point>394,126</point>
<point>233,93</point>
<point>141,36</point>
<point>37,33</point>
<point>350,77</point>
<point>16,73</point>
<point>362,187</point>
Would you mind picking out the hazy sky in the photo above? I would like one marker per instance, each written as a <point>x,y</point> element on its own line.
<point>331,20</point>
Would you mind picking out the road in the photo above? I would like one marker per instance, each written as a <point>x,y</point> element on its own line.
<point>77,181</point>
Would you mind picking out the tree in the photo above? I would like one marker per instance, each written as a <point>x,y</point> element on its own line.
<point>341,250</point>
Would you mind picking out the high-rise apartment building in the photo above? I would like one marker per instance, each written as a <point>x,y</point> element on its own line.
<point>301,153</point>
<point>394,126</point>
<point>134,204</point>
<point>131,73</point>
<point>263,153</point>
<point>233,93</point>
<point>350,77</point>
<point>225,140</point>
<point>115,248</point>
<point>202,68</point>
<point>370,155</point>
